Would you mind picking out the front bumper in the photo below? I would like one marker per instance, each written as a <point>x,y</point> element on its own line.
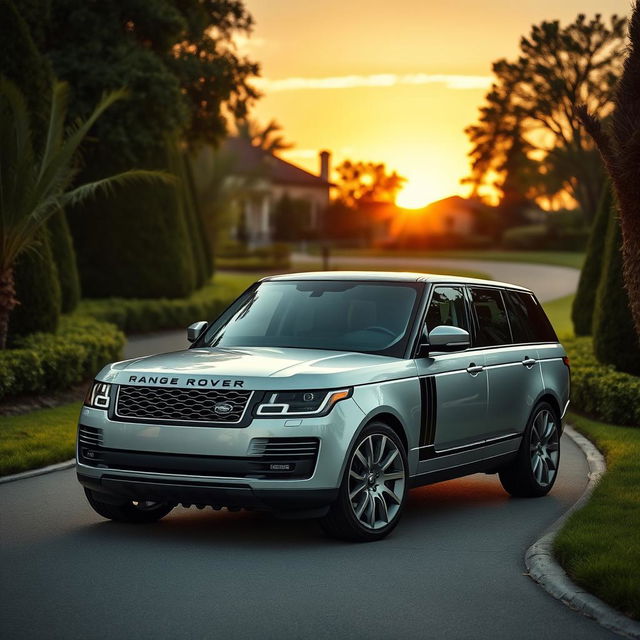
<point>217,466</point>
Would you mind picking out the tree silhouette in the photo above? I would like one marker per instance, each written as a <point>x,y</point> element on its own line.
<point>620,150</point>
<point>530,110</point>
<point>267,138</point>
<point>367,182</point>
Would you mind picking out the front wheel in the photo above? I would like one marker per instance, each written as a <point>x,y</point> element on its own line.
<point>133,512</point>
<point>534,471</point>
<point>373,489</point>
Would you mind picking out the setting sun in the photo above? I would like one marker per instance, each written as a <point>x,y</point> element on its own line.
<point>415,195</point>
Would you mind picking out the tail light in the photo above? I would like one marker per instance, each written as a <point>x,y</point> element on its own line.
<point>566,361</point>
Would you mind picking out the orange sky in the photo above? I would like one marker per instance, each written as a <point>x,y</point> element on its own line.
<point>394,82</point>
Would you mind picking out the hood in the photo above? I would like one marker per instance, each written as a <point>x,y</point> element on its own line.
<point>263,368</point>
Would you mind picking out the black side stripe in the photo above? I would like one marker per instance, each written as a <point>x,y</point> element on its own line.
<point>428,410</point>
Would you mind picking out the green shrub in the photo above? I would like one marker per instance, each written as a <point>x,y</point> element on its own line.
<point>615,340</point>
<point>37,290</point>
<point>599,390</point>
<point>545,237</point>
<point>53,361</point>
<point>584,302</point>
<point>140,316</point>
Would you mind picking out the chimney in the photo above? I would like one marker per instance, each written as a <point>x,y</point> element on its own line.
<point>325,162</point>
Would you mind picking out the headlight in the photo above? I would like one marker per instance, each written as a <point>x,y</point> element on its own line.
<point>98,395</point>
<point>301,403</point>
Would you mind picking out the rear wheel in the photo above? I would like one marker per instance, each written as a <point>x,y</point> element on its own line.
<point>373,489</point>
<point>535,469</point>
<point>135,512</point>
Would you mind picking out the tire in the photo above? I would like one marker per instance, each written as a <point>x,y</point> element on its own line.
<point>132,512</point>
<point>373,490</point>
<point>535,469</point>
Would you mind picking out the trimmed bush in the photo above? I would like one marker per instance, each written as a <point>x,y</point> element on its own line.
<point>600,391</point>
<point>584,302</point>
<point>615,340</point>
<point>49,362</point>
<point>64,256</point>
<point>544,237</point>
<point>37,290</point>
<point>141,316</point>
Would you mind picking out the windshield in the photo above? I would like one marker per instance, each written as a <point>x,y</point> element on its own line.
<point>368,317</point>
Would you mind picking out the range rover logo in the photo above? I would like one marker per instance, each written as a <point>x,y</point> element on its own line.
<point>223,408</point>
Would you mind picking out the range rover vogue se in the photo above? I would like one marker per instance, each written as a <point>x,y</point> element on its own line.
<point>330,395</point>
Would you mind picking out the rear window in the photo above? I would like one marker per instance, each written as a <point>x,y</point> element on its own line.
<point>529,323</point>
<point>493,326</point>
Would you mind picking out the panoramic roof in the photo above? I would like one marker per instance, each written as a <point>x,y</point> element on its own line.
<point>392,276</point>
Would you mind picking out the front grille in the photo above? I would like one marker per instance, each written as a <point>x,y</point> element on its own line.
<point>183,405</point>
<point>289,448</point>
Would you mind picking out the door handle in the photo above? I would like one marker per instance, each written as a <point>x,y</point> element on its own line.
<point>529,362</point>
<point>474,369</point>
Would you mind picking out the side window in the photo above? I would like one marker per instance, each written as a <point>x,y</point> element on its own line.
<point>539,324</point>
<point>521,324</point>
<point>447,307</point>
<point>493,326</point>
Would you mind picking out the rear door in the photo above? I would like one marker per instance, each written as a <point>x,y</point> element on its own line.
<point>513,370</point>
<point>453,385</point>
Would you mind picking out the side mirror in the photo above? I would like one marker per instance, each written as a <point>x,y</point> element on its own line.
<point>195,330</point>
<point>446,338</point>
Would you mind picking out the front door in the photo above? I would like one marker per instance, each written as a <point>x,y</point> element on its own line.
<point>453,385</point>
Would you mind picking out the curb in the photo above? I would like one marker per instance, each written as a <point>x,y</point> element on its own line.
<point>543,568</point>
<point>60,466</point>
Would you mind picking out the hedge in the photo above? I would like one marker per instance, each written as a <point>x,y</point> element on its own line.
<point>598,390</point>
<point>585,299</point>
<point>144,315</point>
<point>50,362</point>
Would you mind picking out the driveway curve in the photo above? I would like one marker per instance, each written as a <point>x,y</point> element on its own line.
<point>453,569</point>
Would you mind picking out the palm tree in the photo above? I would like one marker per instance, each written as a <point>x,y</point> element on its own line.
<point>267,138</point>
<point>33,186</point>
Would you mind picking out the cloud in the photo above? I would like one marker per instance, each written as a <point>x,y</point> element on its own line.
<point>451,81</point>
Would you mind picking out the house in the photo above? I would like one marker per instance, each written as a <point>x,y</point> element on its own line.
<point>262,180</point>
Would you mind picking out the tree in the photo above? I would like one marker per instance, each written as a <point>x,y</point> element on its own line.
<point>185,81</point>
<point>583,307</point>
<point>291,219</point>
<point>530,107</point>
<point>36,185</point>
<point>620,150</point>
<point>367,182</point>
<point>614,337</point>
<point>267,138</point>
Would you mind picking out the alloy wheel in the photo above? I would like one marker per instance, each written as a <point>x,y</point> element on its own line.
<point>544,448</point>
<point>376,481</point>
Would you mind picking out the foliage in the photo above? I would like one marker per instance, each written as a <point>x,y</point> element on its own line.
<point>544,237</point>
<point>37,289</point>
<point>621,151</point>
<point>615,340</point>
<point>64,257</point>
<point>600,391</point>
<point>268,138</point>
<point>528,133</point>
<point>275,257</point>
<point>360,182</point>
<point>38,438</point>
<point>584,302</point>
<point>48,362</point>
<point>598,546</point>
<point>140,316</point>
<point>34,185</point>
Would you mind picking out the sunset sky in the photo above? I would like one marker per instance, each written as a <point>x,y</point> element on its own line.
<point>393,82</point>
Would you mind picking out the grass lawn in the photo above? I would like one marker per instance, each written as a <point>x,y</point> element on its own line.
<point>561,258</point>
<point>39,438</point>
<point>599,546</point>
<point>559,312</point>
